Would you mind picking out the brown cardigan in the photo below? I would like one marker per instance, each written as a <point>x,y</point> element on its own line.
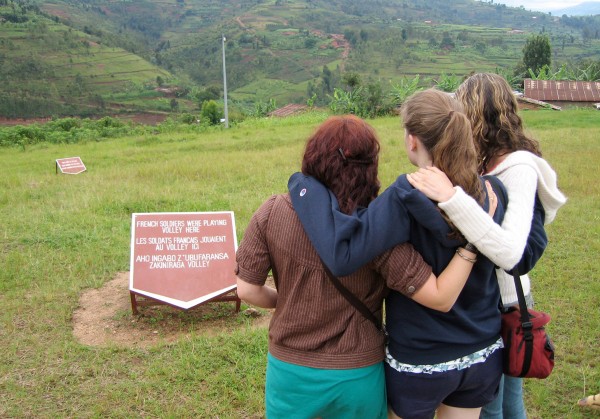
<point>313,325</point>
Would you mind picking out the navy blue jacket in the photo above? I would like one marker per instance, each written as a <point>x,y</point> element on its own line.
<point>418,335</point>
<point>537,239</point>
<point>345,243</point>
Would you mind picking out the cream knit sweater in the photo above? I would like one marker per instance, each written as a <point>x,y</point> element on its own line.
<point>523,174</point>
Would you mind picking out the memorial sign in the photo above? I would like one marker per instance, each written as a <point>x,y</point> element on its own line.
<point>70,165</point>
<point>183,259</point>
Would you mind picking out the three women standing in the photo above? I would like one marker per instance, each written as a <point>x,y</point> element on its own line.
<point>325,358</point>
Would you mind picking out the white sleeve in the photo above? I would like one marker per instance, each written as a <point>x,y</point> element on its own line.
<point>502,244</point>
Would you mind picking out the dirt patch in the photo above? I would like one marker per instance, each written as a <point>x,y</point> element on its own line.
<point>22,121</point>
<point>104,318</point>
<point>146,118</point>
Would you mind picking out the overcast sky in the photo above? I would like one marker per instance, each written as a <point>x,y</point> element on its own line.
<point>544,6</point>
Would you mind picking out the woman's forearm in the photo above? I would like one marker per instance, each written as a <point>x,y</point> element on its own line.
<point>502,244</point>
<point>257,295</point>
<point>441,293</point>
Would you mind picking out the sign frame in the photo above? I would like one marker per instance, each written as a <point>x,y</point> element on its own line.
<point>147,295</point>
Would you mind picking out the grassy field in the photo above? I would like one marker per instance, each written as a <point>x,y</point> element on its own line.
<point>61,235</point>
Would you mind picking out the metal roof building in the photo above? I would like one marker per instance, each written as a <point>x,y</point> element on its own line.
<point>587,92</point>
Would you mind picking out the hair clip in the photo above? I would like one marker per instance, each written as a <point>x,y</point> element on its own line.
<point>354,161</point>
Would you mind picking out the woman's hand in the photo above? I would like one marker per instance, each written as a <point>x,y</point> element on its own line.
<point>433,183</point>
<point>492,198</point>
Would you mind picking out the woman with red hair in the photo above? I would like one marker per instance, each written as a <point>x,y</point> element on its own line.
<point>325,359</point>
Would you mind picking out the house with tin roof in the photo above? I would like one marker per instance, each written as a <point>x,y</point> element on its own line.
<point>563,93</point>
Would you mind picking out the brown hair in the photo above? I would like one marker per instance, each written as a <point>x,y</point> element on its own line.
<point>439,123</point>
<point>342,154</point>
<point>491,106</point>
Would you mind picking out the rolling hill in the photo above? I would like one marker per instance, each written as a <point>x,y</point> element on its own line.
<point>50,69</point>
<point>65,57</point>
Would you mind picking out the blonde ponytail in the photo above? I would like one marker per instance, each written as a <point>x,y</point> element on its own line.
<point>454,153</point>
<point>437,119</point>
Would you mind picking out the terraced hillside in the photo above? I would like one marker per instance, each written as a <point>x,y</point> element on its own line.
<point>101,56</point>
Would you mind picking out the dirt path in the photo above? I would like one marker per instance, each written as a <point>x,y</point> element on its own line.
<point>104,318</point>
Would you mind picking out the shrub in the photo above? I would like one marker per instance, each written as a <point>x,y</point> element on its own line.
<point>210,112</point>
<point>65,124</point>
<point>187,118</point>
<point>401,91</point>
<point>448,82</point>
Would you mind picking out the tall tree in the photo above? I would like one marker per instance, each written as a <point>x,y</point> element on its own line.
<point>537,53</point>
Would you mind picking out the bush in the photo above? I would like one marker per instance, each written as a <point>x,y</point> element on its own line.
<point>448,82</point>
<point>31,134</point>
<point>403,90</point>
<point>363,101</point>
<point>211,113</point>
<point>65,124</point>
<point>187,118</point>
<point>66,130</point>
<point>108,122</point>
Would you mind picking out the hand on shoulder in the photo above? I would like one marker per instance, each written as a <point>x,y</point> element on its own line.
<point>433,183</point>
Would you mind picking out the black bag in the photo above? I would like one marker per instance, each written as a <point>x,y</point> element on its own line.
<point>528,350</point>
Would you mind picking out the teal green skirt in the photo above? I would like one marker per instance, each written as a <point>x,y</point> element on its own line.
<point>294,391</point>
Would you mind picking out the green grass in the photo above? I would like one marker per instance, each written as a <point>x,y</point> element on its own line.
<point>565,283</point>
<point>63,234</point>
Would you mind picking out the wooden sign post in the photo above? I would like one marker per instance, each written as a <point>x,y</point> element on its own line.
<point>70,165</point>
<point>182,259</point>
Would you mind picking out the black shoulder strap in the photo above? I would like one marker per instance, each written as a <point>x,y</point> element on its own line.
<point>352,299</point>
